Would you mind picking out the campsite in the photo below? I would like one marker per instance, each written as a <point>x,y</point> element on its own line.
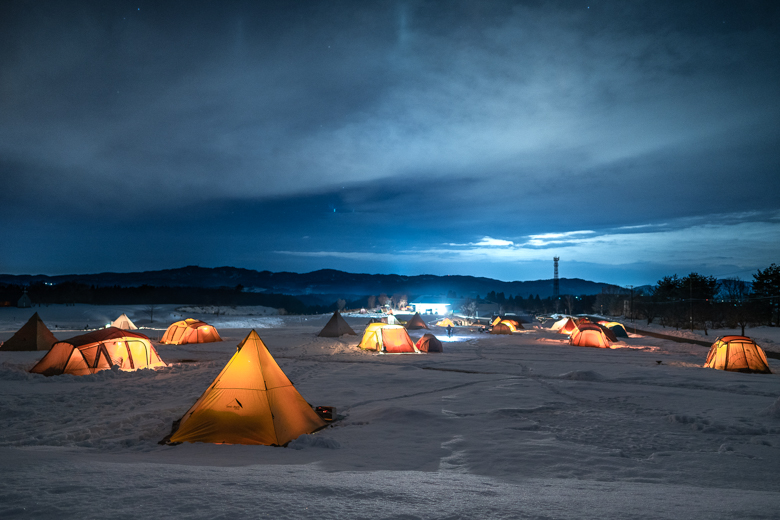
<point>519,425</point>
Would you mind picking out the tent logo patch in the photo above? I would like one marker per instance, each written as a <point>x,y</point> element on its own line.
<point>235,404</point>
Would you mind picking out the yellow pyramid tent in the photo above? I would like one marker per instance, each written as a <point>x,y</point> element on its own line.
<point>737,354</point>
<point>445,323</point>
<point>34,335</point>
<point>124,323</point>
<point>250,402</point>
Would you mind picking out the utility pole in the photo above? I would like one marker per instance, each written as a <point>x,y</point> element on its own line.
<point>690,300</point>
<point>556,284</point>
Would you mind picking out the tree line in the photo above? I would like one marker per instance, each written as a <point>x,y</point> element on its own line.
<point>703,302</point>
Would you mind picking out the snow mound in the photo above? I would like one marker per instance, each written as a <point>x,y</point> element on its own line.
<point>582,375</point>
<point>10,372</point>
<point>313,441</point>
<point>773,410</point>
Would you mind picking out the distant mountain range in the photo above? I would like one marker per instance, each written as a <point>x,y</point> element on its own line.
<point>325,282</point>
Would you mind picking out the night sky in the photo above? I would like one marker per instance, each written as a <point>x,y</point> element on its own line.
<point>632,139</point>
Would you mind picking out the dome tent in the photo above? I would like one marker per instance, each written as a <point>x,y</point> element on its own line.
<point>190,331</point>
<point>429,343</point>
<point>737,354</point>
<point>392,339</point>
<point>99,350</point>
<point>589,336</point>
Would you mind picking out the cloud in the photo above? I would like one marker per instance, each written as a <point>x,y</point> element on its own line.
<point>711,247</point>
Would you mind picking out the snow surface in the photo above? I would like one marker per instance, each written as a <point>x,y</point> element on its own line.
<point>520,426</point>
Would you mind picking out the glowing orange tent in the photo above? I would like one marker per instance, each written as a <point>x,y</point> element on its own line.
<point>516,325</point>
<point>34,335</point>
<point>737,354</point>
<point>416,322</point>
<point>392,339</point>
<point>250,402</point>
<point>336,326</point>
<point>588,325</point>
<point>502,328</point>
<point>99,350</point>
<point>429,343</point>
<point>190,331</point>
<point>567,327</point>
<point>589,337</point>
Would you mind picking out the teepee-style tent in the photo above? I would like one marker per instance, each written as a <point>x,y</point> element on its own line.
<point>416,322</point>
<point>429,343</point>
<point>250,402</point>
<point>124,323</point>
<point>392,339</point>
<point>336,326</point>
<point>34,335</point>
<point>190,331</point>
<point>589,337</point>
<point>737,354</point>
<point>99,350</point>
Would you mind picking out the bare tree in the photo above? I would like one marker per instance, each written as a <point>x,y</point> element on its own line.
<point>149,311</point>
<point>733,289</point>
<point>469,307</point>
<point>371,301</point>
<point>340,303</point>
<point>382,299</point>
<point>569,299</point>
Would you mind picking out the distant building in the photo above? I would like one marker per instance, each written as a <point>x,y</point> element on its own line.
<point>24,302</point>
<point>432,305</point>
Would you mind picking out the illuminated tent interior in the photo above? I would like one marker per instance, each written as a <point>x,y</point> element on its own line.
<point>502,328</point>
<point>558,324</point>
<point>737,354</point>
<point>516,325</point>
<point>336,326</point>
<point>190,331</point>
<point>34,335</point>
<point>589,336</point>
<point>123,322</point>
<point>429,343</point>
<point>392,339</point>
<point>567,327</point>
<point>609,333</point>
<point>416,322</point>
<point>99,350</point>
<point>251,401</point>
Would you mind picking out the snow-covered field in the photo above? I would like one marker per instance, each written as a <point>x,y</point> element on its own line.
<point>520,426</point>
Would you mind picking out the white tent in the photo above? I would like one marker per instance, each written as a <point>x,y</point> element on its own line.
<point>124,323</point>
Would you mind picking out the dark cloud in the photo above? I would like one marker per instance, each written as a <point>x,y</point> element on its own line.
<point>417,122</point>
